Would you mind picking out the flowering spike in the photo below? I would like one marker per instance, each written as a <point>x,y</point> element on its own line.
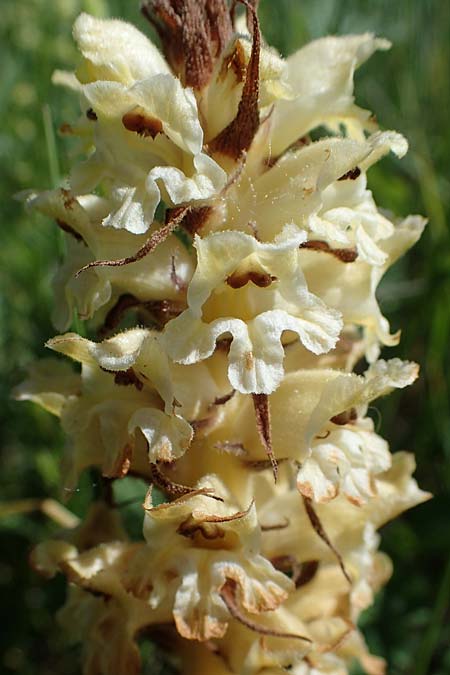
<point>268,289</point>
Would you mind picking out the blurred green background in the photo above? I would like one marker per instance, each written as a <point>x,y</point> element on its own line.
<point>408,89</point>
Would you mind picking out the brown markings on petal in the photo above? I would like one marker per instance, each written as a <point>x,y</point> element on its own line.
<point>296,145</point>
<point>262,414</point>
<point>209,525</point>
<point>122,463</point>
<point>288,564</point>
<point>142,124</point>
<point>160,312</point>
<point>229,592</point>
<point>67,228</point>
<point>345,255</point>
<point>221,400</point>
<point>352,174</point>
<point>189,528</point>
<point>204,423</point>
<point>69,200</point>
<point>326,434</point>
<point>308,571</point>
<point>318,528</point>
<point>127,377</point>
<point>91,115</point>
<point>260,279</point>
<point>345,417</point>
<point>116,313</point>
<point>223,345</point>
<point>177,281</point>
<point>237,137</point>
<point>300,573</point>
<point>150,245</point>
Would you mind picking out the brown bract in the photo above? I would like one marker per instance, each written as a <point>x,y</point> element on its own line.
<point>193,34</point>
<point>237,137</point>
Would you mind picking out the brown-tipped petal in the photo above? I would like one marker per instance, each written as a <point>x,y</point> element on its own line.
<point>228,594</point>
<point>150,245</point>
<point>318,528</point>
<point>237,137</point>
<point>262,413</point>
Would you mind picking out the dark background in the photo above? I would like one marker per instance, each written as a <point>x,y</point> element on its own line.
<point>408,89</point>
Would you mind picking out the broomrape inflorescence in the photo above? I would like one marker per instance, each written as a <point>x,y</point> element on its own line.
<point>250,255</point>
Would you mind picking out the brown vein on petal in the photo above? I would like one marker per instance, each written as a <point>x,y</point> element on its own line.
<point>142,124</point>
<point>353,174</point>
<point>237,137</point>
<point>150,245</point>
<point>228,594</point>
<point>125,377</point>
<point>345,255</point>
<point>318,528</point>
<point>227,519</point>
<point>221,400</point>
<point>333,646</point>
<point>191,525</point>
<point>67,228</point>
<point>174,277</point>
<point>345,417</point>
<point>262,414</point>
<point>262,464</point>
<point>260,279</point>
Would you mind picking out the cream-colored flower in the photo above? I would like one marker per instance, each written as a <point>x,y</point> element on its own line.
<point>146,134</point>
<point>294,189</point>
<point>263,286</point>
<point>321,78</point>
<point>160,276</point>
<point>354,286</point>
<point>196,545</point>
<point>344,523</point>
<point>124,401</point>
